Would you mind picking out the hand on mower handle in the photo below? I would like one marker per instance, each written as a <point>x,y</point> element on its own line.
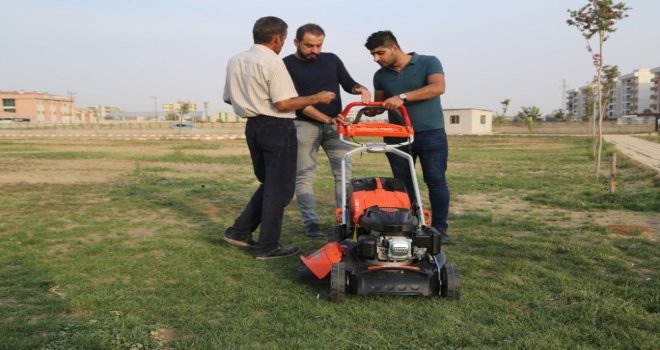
<point>392,103</point>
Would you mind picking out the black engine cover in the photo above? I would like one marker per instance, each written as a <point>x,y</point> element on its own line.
<point>388,220</point>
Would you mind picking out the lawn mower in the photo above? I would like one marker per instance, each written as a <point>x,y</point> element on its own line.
<point>382,244</point>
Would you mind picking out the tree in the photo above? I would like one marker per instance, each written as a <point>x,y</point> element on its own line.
<point>590,110</point>
<point>528,115</point>
<point>505,105</point>
<point>500,118</point>
<point>597,19</point>
<point>608,82</point>
<point>559,115</point>
<point>184,108</point>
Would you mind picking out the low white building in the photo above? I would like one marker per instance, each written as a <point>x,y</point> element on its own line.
<point>468,121</point>
<point>636,120</point>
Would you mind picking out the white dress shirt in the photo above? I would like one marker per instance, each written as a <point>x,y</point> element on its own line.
<point>256,80</point>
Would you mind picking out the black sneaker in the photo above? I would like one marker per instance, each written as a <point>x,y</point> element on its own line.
<point>444,237</point>
<point>239,243</point>
<point>279,252</point>
<point>312,230</point>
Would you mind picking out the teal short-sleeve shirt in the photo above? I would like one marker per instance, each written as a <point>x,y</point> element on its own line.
<point>424,115</point>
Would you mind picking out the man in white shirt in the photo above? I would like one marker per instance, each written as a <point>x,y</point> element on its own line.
<point>258,87</point>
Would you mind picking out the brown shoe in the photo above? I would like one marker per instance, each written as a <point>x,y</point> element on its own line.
<point>239,243</point>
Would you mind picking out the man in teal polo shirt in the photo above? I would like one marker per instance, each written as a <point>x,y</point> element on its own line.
<point>416,81</point>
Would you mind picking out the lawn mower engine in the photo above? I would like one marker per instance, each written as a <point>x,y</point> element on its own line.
<point>384,225</point>
<point>383,251</point>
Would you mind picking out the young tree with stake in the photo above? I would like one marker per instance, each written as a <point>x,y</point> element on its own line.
<point>596,20</point>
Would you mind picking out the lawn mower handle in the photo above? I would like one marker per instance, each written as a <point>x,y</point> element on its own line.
<point>404,133</point>
<point>382,129</point>
<point>402,110</point>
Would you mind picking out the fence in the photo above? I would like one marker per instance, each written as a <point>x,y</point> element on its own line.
<point>113,125</point>
<point>570,128</point>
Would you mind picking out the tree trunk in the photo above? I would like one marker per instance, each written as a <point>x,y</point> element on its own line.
<point>592,123</point>
<point>601,112</point>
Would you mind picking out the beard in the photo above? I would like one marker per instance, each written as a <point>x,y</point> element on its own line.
<point>307,57</point>
<point>385,64</point>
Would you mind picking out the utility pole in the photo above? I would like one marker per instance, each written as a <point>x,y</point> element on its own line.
<point>563,94</point>
<point>155,106</point>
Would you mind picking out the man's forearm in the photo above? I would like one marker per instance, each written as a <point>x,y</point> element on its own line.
<point>295,103</point>
<point>301,102</point>
<point>317,115</point>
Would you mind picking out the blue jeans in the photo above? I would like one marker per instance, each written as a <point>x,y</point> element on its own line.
<point>311,136</point>
<point>273,148</point>
<point>432,150</point>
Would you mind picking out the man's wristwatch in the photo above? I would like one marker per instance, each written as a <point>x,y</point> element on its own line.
<point>403,97</point>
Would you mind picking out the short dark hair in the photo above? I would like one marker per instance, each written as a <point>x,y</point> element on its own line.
<point>265,27</point>
<point>311,28</point>
<point>381,38</point>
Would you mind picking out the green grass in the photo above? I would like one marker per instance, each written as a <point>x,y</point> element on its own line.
<point>138,261</point>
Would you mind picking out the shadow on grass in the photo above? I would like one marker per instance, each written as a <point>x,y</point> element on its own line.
<point>194,200</point>
<point>33,312</point>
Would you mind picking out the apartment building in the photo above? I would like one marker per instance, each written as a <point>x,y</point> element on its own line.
<point>635,93</point>
<point>579,101</point>
<point>37,106</point>
<point>655,88</point>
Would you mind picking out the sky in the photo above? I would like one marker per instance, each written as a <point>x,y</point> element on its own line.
<point>134,53</point>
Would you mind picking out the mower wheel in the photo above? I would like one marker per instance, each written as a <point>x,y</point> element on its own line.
<point>338,281</point>
<point>451,282</point>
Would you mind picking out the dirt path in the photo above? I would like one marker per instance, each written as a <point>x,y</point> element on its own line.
<point>645,152</point>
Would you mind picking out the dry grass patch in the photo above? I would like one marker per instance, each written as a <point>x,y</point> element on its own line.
<point>71,171</point>
<point>620,222</point>
<point>189,170</point>
<point>629,230</point>
<point>164,335</point>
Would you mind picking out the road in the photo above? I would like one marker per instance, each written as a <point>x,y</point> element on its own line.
<point>645,152</point>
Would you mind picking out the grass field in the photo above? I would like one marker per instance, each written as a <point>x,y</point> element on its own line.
<point>117,245</point>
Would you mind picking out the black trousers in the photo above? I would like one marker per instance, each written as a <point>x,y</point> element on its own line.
<point>273,148</point>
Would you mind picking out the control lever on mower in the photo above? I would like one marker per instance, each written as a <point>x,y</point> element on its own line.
<point>383,129</point>
<point>369,112</point>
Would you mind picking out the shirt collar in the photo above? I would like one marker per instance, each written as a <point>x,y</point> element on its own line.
<point>262,48</point>
<point>414,58</point>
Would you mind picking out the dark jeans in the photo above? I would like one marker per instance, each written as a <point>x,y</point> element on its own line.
<point>273,148</point>
<point>432,150</point>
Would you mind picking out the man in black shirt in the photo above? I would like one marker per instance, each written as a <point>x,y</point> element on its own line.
<point>313,71</point>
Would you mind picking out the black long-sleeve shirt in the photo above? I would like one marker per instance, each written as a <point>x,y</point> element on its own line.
<point>326,73</point>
